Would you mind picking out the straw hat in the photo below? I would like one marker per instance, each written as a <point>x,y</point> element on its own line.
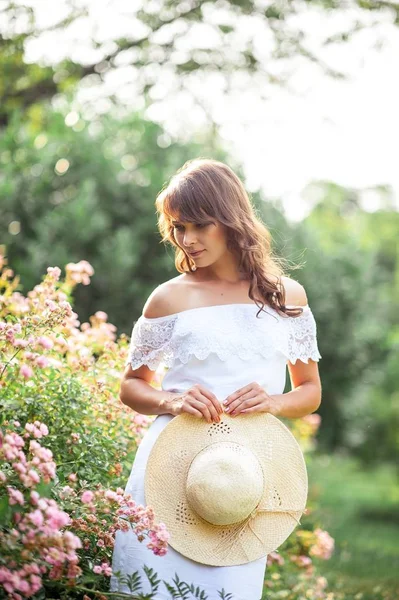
<point>229,492</point>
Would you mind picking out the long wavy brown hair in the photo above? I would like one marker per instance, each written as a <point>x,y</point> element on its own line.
<point>204,188</point>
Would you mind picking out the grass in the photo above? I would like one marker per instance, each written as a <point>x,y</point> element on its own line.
<point>359,507</point>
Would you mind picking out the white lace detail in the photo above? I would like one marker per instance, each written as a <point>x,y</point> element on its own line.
<point>150,343</point>
<point>301,343</point>
<point>229,330</point>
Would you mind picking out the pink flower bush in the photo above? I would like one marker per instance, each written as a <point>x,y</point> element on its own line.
<point>48,335</point>
<point>45,538</point>
<point>34,536</point>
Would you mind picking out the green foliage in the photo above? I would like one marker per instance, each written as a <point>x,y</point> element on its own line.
<point>351,275</point>
<point>101,208</point>
<point>359,507</point>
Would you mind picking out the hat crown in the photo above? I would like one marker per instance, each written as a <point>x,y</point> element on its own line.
<point>224,483</point>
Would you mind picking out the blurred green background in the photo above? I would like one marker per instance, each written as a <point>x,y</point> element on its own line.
<point>78,179</point>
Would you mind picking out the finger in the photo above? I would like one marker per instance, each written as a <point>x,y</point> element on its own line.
<point>208,394</point>
<point>256,401</point>
<point>202,408</point>
<point>209,404</point>
<point>240,401</point>
<point>237,394</point>
<point>192,411</point>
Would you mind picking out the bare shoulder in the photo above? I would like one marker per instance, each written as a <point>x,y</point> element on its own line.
<point>295,294</point>
<point>165,300</point>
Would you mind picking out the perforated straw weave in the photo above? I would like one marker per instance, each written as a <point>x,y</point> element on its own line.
<point>265,528</point>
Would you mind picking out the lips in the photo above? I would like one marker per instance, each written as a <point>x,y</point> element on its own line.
<point>194,254</point>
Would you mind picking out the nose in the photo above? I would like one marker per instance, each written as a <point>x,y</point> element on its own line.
<point>188,238</point>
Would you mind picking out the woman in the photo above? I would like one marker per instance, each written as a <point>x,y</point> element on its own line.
<point>226,327</point>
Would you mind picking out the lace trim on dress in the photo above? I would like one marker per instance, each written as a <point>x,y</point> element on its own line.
<point>302,339</point>
<point>150,343</point>
<point>234,331</point>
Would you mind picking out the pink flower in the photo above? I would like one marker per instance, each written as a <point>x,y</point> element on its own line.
<point>79,272</point>
<point>34,476</point>
<point>21,585</point>
<point>313,420</point>
<point>57,518</point>
<point>324,546</point>
<point>110,495</point>
<point>162,533</point>
<point>34,497</point>
<point>65,492</point>
<point>275,557</point>
<point>13,439</point>
<point>42,361</point>
<point>19,467</point>
<point>321,583</point>
<point>38,430</point>
<point>15,496</point>
<point>45,342</point>
<point>72,542</point>
<point>26,371</point>
<point>101,315</point>
<point>51,305</point>
<point>20,343</point>
<point>140,419</point>
<point>87,497</point>
<point>54,272</point>
<point>104,568</point>
<point>43,428</point>
<point>303,561</point>
<point>36,517</point>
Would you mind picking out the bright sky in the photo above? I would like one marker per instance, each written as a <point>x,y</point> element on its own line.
<point>342,131</point>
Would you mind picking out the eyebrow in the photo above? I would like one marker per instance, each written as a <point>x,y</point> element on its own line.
<point>195,222</point>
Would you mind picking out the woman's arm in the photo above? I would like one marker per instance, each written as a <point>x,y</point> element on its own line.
<point>305,396</point>
<point>137,393</point>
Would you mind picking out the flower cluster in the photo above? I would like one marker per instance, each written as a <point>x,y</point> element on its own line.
<point>40,332</point>
<point>47,539</point>
<point>30,471</point>
<point>323,546</point>
<point>305,429</point>
<point>32,534</point>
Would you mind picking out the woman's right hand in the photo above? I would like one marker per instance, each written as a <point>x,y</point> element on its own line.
<point>197,401</point>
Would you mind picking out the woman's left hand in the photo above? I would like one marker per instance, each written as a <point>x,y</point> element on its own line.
<point>249,399</point>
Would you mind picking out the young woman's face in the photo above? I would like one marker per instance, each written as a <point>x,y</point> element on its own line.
<point>209,238</point>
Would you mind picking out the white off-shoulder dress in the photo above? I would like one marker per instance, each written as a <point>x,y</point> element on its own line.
<point>222,347</point>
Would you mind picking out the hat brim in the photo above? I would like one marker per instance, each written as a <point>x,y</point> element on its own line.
<point>278,513</point>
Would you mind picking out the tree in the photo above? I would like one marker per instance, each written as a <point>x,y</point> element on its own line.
<point>234,39</point>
